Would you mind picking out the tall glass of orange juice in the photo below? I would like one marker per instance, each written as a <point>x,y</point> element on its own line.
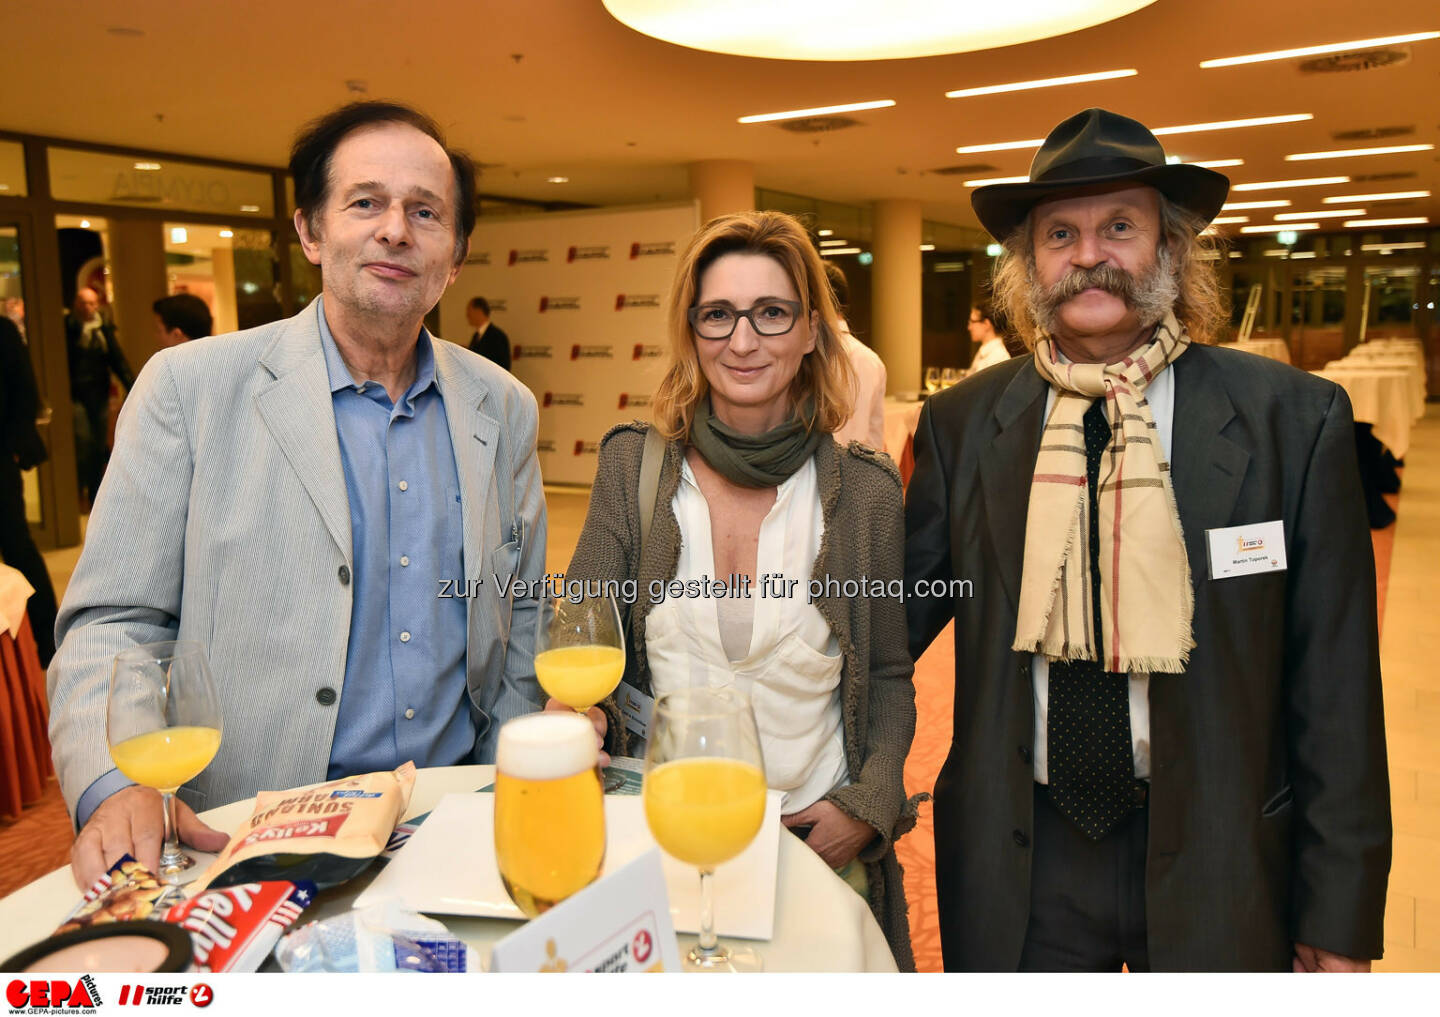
<point>704,798</point>
<point>163,727</point>
<point>580,651</point>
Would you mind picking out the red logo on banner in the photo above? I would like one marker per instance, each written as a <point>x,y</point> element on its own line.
<point>642,946</point>
<point>579,447</point>
<point>570,254</point>
<point>515,354</point>
<point>544,303</point>
<point>639,351</point>
<point>549,398</point>
<point>514,256</point>
<point>624,399</point>
<point>575,352</point>
<point>634,250</point>
<point>52,994</point>
<point>201,994</point>
<point>620,302</point>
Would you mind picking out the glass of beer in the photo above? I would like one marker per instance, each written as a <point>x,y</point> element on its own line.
<point>580,652</point>
<point>549,809</point>
<point>162,723</point>
<point>705,798</point>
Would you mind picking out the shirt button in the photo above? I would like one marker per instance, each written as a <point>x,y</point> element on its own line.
<point>325,696</point>
<point>404,637</point>
<point>409,714</point>
<point>1020,839</point>
<point>404,560</point>
<point>344,575</point>
<point>404,486</point>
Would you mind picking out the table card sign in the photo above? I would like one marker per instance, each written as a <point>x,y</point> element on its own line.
<point>619,923</point>
<point>1246,550</point>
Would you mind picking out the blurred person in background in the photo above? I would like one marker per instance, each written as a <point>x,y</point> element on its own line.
<point>866,423</point>
<point>489,339</point>
<point>95,354</point>
<point>991,348</point>
<point>180,318</point>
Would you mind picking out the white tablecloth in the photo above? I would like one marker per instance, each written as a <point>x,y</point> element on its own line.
<point>1275,349</point>
<point>1381,398</point>
<point>821,924</point>
<point>901,419</point>
<point>1412,360</point>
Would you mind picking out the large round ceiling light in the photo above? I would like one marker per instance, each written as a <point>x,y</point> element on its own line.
<point>860,29</point>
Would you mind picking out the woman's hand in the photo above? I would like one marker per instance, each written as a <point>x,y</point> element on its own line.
<point>598,720</point>
<point>836,837</point>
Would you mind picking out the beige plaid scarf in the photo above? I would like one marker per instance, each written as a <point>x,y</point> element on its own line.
<point>1146,599</point>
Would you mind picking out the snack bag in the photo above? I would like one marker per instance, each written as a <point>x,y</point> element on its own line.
<point>127,891</point>
<point>324,834</point>
<point>234,928</point>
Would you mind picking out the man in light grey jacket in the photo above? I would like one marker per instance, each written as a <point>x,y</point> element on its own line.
<point>300,497</point>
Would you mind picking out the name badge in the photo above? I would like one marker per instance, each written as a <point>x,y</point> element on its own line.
<point>1245,550</point>
<point>636,707</point>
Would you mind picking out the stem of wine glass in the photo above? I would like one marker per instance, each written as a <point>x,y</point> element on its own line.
<point>708,943</point>
<point>172,860</point>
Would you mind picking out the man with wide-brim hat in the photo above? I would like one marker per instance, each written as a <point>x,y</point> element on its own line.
<point>1168,749</point>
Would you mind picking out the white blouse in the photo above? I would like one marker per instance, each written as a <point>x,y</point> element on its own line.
<point>792,669</point>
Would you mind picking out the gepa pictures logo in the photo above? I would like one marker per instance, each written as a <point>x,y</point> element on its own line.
<point>52,995</point>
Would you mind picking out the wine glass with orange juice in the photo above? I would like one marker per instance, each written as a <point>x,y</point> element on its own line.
<point>163,727</point>
<point>704,798</point>
<point>580,652</point>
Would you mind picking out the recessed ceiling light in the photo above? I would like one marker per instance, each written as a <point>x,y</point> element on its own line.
<point>1235,206</point>
<point>1159,132</point>
<point>1356,199</point>
<point>1404,245</point>
<point>1334,213</point>
<point>1281,228</point>
<point>1348,153</point>
<point>927,247</point>
<point>249,208</point>
<point>834,243</point>
<point>1219,163</point>
<point>986,181</point>
<point>1417,220</point>
<point>147,166</point>
<point>84,224</point>
<point>178,235</point>
<point>823,30</point>
<point>839,250</point>
<point>817,111</point>
<point>227,234</point>
<point>1229,220</point>
<point>1268,185</point>
<point>994,250</point>
<point>1020,86</point>
<point>1332,47</point>
<point>824,233</point>
<point>1301,255</point>
<point>557,180</point>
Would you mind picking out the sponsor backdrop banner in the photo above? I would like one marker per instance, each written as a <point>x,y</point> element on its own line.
<point>580,294</point>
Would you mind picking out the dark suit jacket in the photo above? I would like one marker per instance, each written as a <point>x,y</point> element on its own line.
<point>1269,804</point>
<point>19,401</point>
<point>495,344</point>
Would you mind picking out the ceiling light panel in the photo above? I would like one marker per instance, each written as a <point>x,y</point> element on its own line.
<point>1021,86</point>
<point>1159,132</point>
<point>1356,199</point>
<point>1330,47</point>
<point>1334,213</point>
<point>1350,153</point>
<point>1270,185</point>
<point>1281,228</point>
<point>1235,206</point>
<point>1418,220</point>
<point>817,111</point>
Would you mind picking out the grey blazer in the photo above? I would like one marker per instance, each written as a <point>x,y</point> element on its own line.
<point>224,518</point>
<point>1269,817</point>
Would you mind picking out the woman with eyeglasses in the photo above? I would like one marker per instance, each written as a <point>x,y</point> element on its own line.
<point>759,520</point>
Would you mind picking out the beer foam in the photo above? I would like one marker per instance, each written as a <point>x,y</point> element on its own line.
<point>546,746</point>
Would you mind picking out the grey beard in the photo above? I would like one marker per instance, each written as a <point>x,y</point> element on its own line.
<point>1151,295</point>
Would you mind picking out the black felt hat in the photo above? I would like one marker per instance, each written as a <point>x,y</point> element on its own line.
<point>1095,148</point>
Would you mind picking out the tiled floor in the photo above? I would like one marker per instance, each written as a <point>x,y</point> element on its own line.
<point>1410,644</point>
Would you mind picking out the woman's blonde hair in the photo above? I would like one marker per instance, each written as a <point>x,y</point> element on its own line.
<point>1198,307</point>
<point>822,387</point>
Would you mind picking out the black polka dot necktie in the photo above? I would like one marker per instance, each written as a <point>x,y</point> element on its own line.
<point>1090,762</point>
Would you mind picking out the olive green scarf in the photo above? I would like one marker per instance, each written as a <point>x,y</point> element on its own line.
<point>752,460</point>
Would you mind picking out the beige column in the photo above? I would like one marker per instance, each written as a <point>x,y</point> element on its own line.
<point>225,312</point>
<point>895,292</point>
<point>136,258</point>
<point>723,186</point>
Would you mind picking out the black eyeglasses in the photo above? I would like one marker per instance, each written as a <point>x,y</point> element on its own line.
<point>769,318</point>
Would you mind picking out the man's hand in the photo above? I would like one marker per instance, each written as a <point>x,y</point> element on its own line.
<point>131,822</point>
<point>597,719</point>
<point>836,837</point>
<point>1309,959</point>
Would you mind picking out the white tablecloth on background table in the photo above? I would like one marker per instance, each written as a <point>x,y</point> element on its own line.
<point>1275,349</point>
<point>1412,360</point>
<point>901,419</point>
<point>821,924</point>
<point>1383,399</point>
